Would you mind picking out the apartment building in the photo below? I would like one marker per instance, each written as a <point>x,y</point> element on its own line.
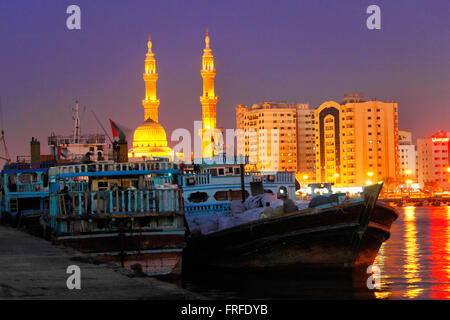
<point>356,141</point>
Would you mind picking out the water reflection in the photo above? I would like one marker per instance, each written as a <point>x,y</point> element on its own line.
<point>440,257</point>
<point>379,261</point>
<point>415,261</point>
<point>411,267</point>
<point>414,264</point>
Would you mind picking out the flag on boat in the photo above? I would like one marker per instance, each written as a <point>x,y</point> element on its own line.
<point>119,131</point>
<point>213,144</point>
<point>63,152</point>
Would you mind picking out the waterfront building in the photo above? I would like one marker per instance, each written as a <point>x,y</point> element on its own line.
<point>149,139</point>
<point>433,161</point>
<point>356,141</point>
<point>278,136</point>
<point>211,136</point>
<point>407,158</point>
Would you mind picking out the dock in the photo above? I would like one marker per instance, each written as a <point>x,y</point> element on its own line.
<point>33,268</point>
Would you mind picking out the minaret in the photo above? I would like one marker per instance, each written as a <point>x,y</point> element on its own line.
<point>208,99</point>
<point>151,102</point>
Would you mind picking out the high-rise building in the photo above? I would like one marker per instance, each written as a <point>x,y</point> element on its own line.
<point>278,136</point>
<point>407,157</point>
<point>210,135</point>
<point>149,139</point>
<point>433,161</point>
<point>356,141</point>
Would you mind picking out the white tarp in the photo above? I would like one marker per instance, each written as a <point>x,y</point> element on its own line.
<point>242,213</point>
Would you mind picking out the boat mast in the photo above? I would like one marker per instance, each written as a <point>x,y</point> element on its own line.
<point>7,158</point>
<point>76,130</point>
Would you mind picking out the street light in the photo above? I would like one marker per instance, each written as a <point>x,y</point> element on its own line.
<point>370,173</point>
<point>305,177</point>
<point>335,175</point>
<point>408,182</point>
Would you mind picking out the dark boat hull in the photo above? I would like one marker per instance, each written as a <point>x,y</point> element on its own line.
<point>335,238</point>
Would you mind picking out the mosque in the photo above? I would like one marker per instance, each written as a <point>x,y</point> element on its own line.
<point>149,139</point>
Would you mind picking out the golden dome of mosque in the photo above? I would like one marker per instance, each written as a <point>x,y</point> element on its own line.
<point>149,140</point>
<point>149,134</point>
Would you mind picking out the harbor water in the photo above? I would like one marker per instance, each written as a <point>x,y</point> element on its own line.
<point>414,264</point>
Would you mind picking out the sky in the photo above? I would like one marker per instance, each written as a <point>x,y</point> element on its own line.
<point>304,51</point>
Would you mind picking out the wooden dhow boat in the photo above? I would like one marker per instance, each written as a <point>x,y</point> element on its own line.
<point>341,237</point>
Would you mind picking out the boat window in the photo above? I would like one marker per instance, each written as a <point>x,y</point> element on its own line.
<point>221,172</point>
<point>237,170</point>
<point>25,178</point>
<point>102,185</point>
<point>230,170</point>
<point>213,172</point>
<point>197,197</point>
<point>228,195</point>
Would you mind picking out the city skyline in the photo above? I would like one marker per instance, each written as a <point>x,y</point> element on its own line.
<point>46,68</point>
<point>199,151</point>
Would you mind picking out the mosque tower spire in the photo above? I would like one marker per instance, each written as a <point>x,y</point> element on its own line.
<point>151,102</point>
<point>210,135</point>
<point>208,99</point>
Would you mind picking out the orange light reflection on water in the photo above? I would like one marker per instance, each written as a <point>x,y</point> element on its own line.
<point>440,252</point>
<point>411,267</point>
<point>380,262</point>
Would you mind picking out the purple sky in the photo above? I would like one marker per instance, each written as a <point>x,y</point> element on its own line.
<point>295,51</point>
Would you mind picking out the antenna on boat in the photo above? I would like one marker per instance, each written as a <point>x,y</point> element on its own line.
<point>98,121</point>
<point>76,118</point>
<point>7,158</point>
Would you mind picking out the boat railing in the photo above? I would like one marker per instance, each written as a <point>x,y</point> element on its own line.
<point>31,187</point>
<point>224,159</point>
<point>110,166</point>
<point>80,186</point>
<point>207,209</point>
<point>196,179</point>
<point>161,180</point>
<point>277,177</point>
<point>112,202</point>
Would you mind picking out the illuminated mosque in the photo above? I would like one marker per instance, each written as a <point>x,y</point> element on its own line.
<point>149,139</point>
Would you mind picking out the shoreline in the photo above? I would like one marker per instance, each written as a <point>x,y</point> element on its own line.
<point>32,268</point>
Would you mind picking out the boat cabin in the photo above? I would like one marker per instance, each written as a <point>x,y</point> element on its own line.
<point>210,186</point>
<point>24,188</point>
